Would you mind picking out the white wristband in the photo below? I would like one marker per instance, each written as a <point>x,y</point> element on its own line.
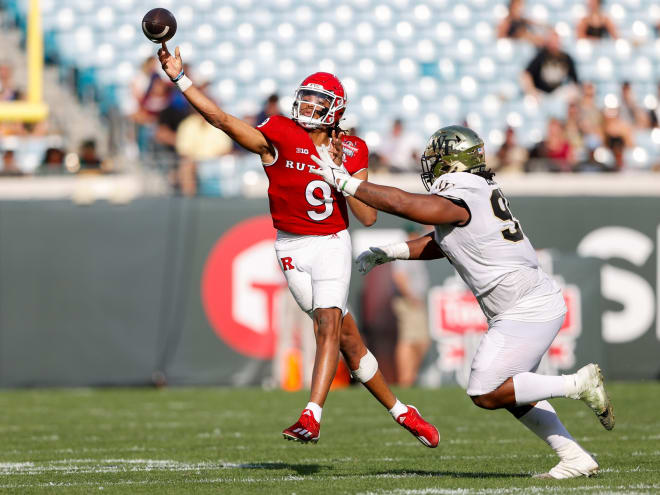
<point>184,83</point>
<point>397,251</point>
<point>350,185</point>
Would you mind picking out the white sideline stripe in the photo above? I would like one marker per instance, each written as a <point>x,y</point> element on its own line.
<point>297,430</point>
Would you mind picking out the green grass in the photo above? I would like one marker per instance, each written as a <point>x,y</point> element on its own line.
<point>208,440</point>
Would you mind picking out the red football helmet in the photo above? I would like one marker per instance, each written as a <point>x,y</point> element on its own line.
<point>324,98</point>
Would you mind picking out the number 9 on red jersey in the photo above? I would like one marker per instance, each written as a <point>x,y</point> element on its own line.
<point>300,203</point>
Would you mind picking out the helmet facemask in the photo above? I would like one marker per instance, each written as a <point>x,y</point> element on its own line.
<point>316,107</point>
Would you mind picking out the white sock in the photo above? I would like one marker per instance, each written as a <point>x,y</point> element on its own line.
<point>532,387</point>
<point>544,422</point>
<point>398,409</point>
<point>316,410</point>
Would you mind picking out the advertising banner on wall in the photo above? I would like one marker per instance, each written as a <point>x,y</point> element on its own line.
<point>457,324</point>
<point>189,291</point>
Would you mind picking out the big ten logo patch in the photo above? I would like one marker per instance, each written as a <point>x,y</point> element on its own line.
<point>241,288</point>
<point>457,325</point>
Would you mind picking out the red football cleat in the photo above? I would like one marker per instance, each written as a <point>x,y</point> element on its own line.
<point>307,429</point>
<point>419,427</point>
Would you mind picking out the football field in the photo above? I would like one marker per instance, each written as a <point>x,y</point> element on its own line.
<point>215,440</point>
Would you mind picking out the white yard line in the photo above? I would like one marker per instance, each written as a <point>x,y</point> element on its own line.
<point>83,466</point>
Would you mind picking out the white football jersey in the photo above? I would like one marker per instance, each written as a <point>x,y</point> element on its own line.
<point>492,254</point>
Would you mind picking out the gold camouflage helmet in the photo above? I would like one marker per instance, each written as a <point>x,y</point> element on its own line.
<point>452,149</point>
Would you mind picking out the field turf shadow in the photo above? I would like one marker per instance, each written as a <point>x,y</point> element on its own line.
<point>301,469</point>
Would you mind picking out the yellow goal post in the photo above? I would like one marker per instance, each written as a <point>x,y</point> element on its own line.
<point>33,108</point>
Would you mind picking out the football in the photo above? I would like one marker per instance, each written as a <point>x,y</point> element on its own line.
<point>159,25</point>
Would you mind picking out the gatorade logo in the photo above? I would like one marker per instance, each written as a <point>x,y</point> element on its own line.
<point>241,284</point>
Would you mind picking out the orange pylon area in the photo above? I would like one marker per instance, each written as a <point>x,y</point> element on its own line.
<point>342,377</point>
<point>292,376</point>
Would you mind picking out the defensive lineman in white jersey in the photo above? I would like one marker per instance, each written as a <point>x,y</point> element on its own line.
<point>476,231</point>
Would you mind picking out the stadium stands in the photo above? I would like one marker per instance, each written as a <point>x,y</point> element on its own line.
<point>430,62</point>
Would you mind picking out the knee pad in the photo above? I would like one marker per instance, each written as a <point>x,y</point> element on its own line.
<point>367,369</point>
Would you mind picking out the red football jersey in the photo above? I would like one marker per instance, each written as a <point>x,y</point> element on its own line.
<point>301,202</point>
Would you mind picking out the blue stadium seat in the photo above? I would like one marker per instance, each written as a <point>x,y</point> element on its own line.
<point>433,57</point>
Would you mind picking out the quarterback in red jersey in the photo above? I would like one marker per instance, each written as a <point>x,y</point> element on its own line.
<point>313,246</point>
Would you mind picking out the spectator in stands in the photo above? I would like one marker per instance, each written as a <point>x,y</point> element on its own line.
<point>399,149</point>
<point>554,153</point>
<point>596,24</point>
<point>88,157</point>
<point>551,71</point>
<point>589,163</point>
<point>53,163</point>
<point>271,107</point>
<point>584,133</point>
<point>8,91</point>
<point>167,122</point>
<point>411,280</point>
<point>156,99</point>
<point>511,157</point>
<point>9,165</point>
<point>617,135</point>
<point>134,103</point>
<point>196,140</point>
<point>574,129</point>
<point>140,85</point>
<point>516,26</point>
<point>591,116</point>
<point>654,113</point>
<point>630,111</point>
